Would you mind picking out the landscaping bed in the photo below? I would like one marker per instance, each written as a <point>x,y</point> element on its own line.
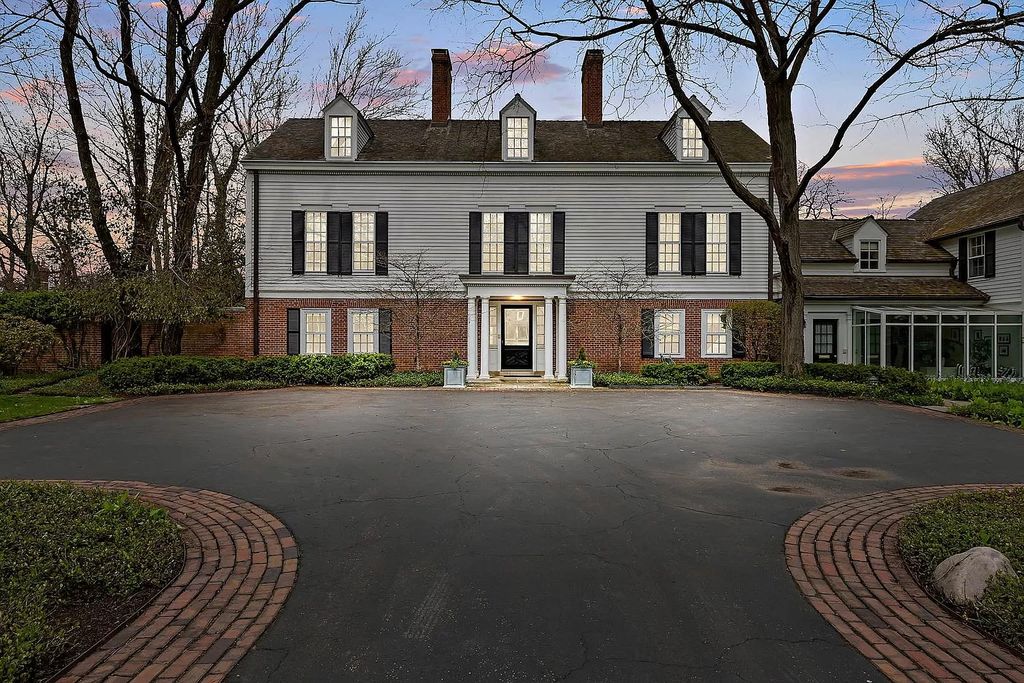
<point>1001,402</point>
<point>952,525</point>
<point>74,564</point>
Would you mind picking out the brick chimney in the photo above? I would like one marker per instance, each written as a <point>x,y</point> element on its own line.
<point>441,87</point>
<point>593,87</point>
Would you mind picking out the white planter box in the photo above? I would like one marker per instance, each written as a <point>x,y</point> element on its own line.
<point>455,378</point>
<point>581,378</point>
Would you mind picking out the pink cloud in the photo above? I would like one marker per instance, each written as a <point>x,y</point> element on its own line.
<point>865,183</point>
<point>634,11</point>
<point>411,76</point>
<point>886,168</point>
<point>529,67</point>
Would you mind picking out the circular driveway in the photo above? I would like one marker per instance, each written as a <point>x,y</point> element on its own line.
<point>507,536</point>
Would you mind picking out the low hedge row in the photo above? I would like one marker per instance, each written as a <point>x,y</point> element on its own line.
<point>623,379</point>
<point>1010,412</point>
<point>968,390</point>
<point>128,374</point>
<point>833,388</point>
<point>894,380</point>
<point>687,374</point>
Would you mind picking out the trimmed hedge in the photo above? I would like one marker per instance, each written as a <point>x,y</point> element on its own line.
<point>677,373</point>
<point>164,388</point>
<point>833,388</point>
<point>895,380</point>
<point>128,374</point>
<point>403,379</point>
<point>967,390</point>
<point>623,379</point>
<point>744,369</point>
<point>1011,412</point>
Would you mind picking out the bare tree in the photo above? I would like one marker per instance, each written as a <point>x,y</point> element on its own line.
<point>378,80</point>
<point>616,288</point>
<point>420,289</point>
<point>823,198</point>
<point>677,38</point>
<point>886,206</point>
<point>979,142</point>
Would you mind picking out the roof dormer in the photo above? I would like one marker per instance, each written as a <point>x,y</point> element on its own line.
<point>682,136</point>
<point>518,121</point>
<point>868,241</point>
<point>345,130</point>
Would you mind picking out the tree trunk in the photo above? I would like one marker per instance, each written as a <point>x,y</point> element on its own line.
<point>170,338</point>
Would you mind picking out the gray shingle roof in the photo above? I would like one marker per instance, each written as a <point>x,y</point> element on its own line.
<point>906,242</point>
<point>990,203</point>
<point>879,287</point>
<point>480,140</point>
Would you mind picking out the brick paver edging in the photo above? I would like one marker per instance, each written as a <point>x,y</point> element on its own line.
<point>845,561</point>
<point>240,565</point>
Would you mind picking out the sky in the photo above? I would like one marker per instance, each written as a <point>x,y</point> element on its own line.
<point>883,159</point>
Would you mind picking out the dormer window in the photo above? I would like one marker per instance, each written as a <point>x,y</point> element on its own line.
<point>341,136</point>
<point>870,254</point>
<point>691,144</point>
<point>518,137</point>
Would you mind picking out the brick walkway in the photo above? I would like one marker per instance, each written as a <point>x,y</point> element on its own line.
<point>240,566</point>
<point>844,559</point>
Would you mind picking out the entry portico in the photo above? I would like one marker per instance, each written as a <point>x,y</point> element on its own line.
<point>516,325</point>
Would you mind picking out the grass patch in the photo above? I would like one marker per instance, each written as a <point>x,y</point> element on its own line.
<point>73,563</point>
<point>24,382</point>
<point>19,406</point>
<point>83,385</point>
<point>404,379</point>
<point>958,523</point>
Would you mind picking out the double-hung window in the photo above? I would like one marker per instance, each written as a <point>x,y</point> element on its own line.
<point>668,242</point>
<point>540,242</point>
<point>362,330</point>
<point>363,227</point>
<point>976,256</point>
<point>715,335</point>
<point>316,242</point>
<point>870,254</point>
<point>692,146</point>
<point>315,331</point>
<point>668,333</point>
<point>517,137</point>
<point>341,136</point>
<point>717,259</point>
<point>493,242</point>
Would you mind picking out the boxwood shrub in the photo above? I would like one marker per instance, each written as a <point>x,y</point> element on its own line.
<point>743,369</point>
<point>677,373</point>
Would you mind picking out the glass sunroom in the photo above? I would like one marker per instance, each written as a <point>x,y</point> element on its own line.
<point>940,342</point>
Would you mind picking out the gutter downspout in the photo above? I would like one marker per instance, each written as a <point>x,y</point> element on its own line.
<point>255,263</point>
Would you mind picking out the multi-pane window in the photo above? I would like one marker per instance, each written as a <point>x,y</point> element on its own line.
<point>716,334</point>
<point>870,253</point>
<point>316,242</point>
<point>668,242</point>
<point>492,326</point>
<point>341,136</point>
<point>539,322</point>
<point>363,227</point>
<point>976,256</point>
<point>493,242</point>
<point>517,137</point>
<point>316,332</point>
<point>540,242</point>
<point>363,331</point>
<point>692,144</point>
<point>718,243</point>
<point>668,333</point>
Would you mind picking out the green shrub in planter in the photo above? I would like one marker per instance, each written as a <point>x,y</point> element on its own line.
<point>744,369</point>
<point>677,373</point>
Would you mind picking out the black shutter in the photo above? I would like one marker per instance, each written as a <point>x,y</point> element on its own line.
<point>475,242</point>
<point>647,333</point>
<point>962,260</point>
<point>333,242</point>
<point>523,244</point>
<point>510,243</point>
<point>652,243</point>
<point>384,331</point>
<point>700,243</point>
<point>990,254</point>
<point>345,252</point>
<point>686,246</point>
<point>735,243</point>
<point>558,243</point>
<point>380,240</point>
<point>293,331</point>
<point>298,242</point>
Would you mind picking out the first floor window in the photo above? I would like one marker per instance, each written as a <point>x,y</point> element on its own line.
<point>716,334</point>
<point>316,331</point>
<point>363,227</point>
<point>341,136</point>
<point>494,242</point>
<point>976,256</point>
<point>668,242</point>
<point>668,333</point>
<point>316,241</point>
<point>870,251</point>
<point>362,330</point>
<point>717,243</point>
<point>540,242</point>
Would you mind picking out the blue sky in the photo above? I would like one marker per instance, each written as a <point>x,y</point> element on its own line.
<point>882,160</point>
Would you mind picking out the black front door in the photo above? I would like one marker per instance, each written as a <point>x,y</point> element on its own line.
<point>517,337</point>
<point>826,341</point>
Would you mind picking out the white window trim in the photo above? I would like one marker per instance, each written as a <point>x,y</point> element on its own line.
<point>980,238</point>
<point>373,244</point>
<point>500,241</point>
<point>707,244</point>
<point>534,233</point>
<point>881,255</point>
<point>682,332</point>
<point>682,138</point>
<point>677,243</point>
<point>376,329</point>
<point>704,335</point>
<point>307,242</point>
<point>303,312</point>
<point>527,152</point>
<point>331,137</point>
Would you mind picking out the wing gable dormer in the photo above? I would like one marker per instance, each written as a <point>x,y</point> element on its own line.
<point>682,136</point>
<point>518,125</point>
<point>345,130</point>
<point>868,242</point>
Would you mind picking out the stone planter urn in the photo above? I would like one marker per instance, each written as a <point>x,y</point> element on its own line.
<point>581,378</point>
<point>455,378</point>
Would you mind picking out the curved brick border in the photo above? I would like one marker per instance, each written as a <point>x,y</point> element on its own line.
<point>240,566</point>
<point>844,559</point>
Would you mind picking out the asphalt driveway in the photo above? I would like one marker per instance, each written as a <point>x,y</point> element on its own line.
<point>522,536</point>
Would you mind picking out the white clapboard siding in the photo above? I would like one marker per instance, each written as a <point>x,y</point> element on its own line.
<point>604,218</point>
<point>1007,287</point>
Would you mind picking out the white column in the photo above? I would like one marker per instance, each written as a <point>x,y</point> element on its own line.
<point>485,337</point>
<point>549,341</point>
<point>471,333</point>
<point>562,337</point>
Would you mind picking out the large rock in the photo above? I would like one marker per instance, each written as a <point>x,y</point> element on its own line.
<point>962,578</point>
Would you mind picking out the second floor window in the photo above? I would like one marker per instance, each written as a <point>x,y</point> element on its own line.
<point>341,136</point>
<point>517,137</point>
<point>316,242</point>
<point>870,251</point>
<point>976,256</point>
<point>540,242</point>
<point>668,242</point>
<point>692,144</point>
<point>668,333</point>
<point>363,227</point>
<point>493,248</point>
<point>717,260</point>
